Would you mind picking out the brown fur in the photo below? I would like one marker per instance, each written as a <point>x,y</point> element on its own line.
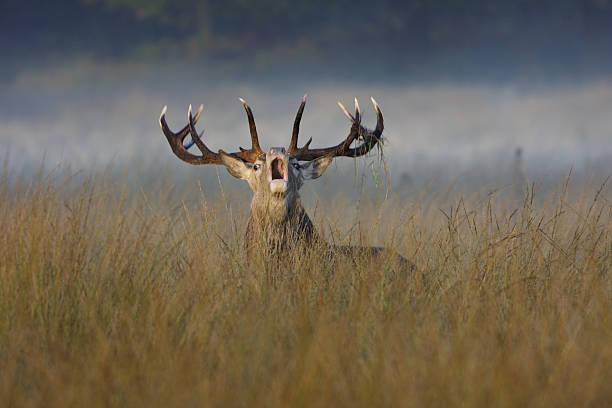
<point>278,222</point>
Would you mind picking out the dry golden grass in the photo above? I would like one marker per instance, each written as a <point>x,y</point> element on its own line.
<point>115,297</point>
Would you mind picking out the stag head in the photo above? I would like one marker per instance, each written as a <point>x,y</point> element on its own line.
<point>277,175</point>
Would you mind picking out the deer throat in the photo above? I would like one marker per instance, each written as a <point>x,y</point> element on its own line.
<point>275,211</point>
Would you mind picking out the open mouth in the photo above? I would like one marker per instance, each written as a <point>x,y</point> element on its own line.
<point>277,169</point>
<point>278,176</point>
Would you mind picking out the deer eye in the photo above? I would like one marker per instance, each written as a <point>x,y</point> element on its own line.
<point>296,166</point>
<point>256,167</point>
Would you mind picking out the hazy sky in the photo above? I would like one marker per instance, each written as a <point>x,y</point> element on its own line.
<point>461,83</point>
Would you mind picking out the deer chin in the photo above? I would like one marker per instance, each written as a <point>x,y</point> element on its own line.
<point>278,186</point>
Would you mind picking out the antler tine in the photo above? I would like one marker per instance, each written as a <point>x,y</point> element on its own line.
<point>206,152</point>
<point>183,132</point>
<point>208,156</point>
<point>296,126</point>
<point>176,140</point>
<point>186,128</point>
<point>380,122</point>
<point>370,138</point>
<point>348,115</point>
<point>252,129</point>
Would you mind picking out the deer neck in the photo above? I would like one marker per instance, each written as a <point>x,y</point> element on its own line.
<point>277,226</point>
<point>270,213</point>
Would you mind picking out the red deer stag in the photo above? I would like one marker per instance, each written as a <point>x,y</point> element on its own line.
<point>277,218</point>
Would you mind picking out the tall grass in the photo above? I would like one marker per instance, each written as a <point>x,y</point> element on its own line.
<point>117,296</point>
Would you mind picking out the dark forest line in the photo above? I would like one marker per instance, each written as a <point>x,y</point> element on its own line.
<point>506,38</point>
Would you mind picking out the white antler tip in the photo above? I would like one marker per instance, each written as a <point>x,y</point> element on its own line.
<point>189,110</point>
<point>161,116</point>
<point>304,97</point>
<point>348,115</point>
<point>374,102</point>
<point>356,105</point>
<point>243,101</point>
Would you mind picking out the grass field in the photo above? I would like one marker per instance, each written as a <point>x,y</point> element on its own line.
<point>119,296</point>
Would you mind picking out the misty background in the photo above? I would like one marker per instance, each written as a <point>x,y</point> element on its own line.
<point>464,85</point>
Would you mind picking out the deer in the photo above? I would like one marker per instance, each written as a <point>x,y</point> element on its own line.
<point>277,218</point>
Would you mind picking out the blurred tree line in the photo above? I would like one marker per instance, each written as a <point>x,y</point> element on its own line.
<point>239,25</point>
<point>385,32</point>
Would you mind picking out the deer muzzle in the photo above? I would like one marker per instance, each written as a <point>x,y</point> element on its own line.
<point>278,176</point>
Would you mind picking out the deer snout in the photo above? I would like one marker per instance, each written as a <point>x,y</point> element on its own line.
<point>276,151</point>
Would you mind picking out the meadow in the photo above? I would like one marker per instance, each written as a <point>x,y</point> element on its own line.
<point>118,294</point>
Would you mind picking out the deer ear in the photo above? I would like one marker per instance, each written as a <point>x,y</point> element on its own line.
<point>314,169</point>
<point>235,167</point>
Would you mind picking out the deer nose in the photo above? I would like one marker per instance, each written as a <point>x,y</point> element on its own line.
<point>277,150</point>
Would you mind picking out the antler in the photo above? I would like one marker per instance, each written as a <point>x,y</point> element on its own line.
<point>369,137</point>
<point>208,156</point>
